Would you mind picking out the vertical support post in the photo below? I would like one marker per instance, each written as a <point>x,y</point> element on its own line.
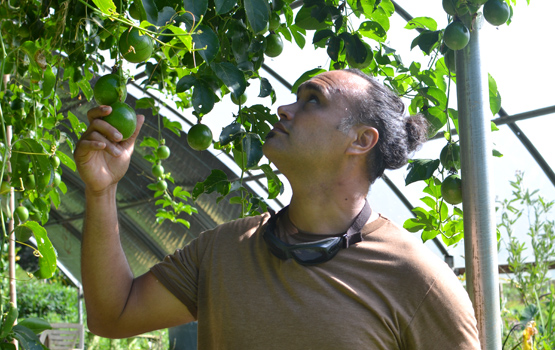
<point>480,237</point>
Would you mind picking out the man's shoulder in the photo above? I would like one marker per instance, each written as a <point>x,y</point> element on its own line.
<point>242,227</point>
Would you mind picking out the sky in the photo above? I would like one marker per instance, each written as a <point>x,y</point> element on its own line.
<point>519,56</point>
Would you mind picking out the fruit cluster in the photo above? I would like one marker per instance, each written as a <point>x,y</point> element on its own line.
<point>110,90</point>
<point>457,35</point>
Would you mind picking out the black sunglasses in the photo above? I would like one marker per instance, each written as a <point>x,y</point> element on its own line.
<point>317,252</point>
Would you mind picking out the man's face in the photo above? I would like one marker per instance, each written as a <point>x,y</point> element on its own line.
<point>307,137</point>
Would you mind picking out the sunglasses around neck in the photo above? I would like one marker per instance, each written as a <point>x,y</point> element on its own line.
<point>317,252</point>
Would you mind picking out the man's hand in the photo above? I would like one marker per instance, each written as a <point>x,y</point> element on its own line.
<point>101,157</point>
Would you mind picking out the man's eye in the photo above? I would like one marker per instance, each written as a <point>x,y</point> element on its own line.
<point>312,99</point>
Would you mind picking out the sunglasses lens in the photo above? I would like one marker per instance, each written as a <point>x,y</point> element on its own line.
<point>309,256</point>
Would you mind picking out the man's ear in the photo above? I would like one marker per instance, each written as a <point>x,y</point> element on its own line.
<point>366,138</point>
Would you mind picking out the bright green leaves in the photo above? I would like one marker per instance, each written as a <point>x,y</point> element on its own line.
<point>422,23</point>
<point>306,76</point>
<point>373,30</point>
<point>258,14</point>
<point>106,6</point>
<point>494,96</point>
<point>28,155</point>
<point>437,219</point>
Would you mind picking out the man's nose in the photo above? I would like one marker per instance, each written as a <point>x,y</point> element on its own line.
<point>285,112</point>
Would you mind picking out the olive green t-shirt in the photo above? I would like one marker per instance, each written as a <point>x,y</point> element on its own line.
<point>386,292</point>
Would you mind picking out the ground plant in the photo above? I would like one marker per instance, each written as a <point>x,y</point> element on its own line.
<point>528,305</point>
<point>196,52</point>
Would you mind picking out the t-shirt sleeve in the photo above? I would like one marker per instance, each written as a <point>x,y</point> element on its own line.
<point>445,318</point>
<point>179,273</point>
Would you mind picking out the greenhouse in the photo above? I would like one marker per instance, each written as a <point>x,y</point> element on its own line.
<point>209,88</point>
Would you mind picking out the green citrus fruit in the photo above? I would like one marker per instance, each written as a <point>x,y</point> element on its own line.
<point>496,12</point>
<point>239,101</point>
<point>109,89</point>
<point>157,170</point>
<point>451,189</point>
<point>456,35</point>
<point>123,118</point>
<point>274,45</point>
<point>57,179</point>
<point>199,137</point>
<point>21,213</point>
<point>361,65</point>
<point>29,182</point>
<point>450,7</point>
<point>134,47</point>
<point>55,161</point>
<point>274,21</point>
<point>449,59</point>
<point>450,157</point>
<point>163,152</point>
<point>161,185</point>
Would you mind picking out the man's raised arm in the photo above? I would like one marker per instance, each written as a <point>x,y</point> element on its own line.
<point>118,305</point>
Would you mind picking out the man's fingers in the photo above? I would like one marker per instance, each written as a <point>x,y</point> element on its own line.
<point>97,141</point>
<point>98,112</point>
<point>102,127</point>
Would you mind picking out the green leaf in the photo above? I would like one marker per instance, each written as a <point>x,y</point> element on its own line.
<point>187,40</point>
<point>149,142</point>
<point>423,23</point>
<point>27,339</point>
<point>66,160</point>
<point>426,41</point>
<point>429,234</point>
<point>231,133</point>
<point>433,188</point>
<point>106,6</point>
<point>47,260</point>
<point>436,96</point>
<point>173,126</point>
<point>78,126</point>
<point>298,33</point>
<point>266,88</point>
<point>494,96</point>
<point>86,88</point>
<point>231,76</point>
<point>454,115</point>
<point>207,42</point>
<point>322,34</point>
<point>196,7</point>
<point>429,201</point>
<point>413,225</point>
<point>224,6</point>
<point>216,181</point>
<point>496,153</point>
<point>37,325</point>
<point>306,76</point>
<point>203,98</point>
<point>306,20</point>
<point>436,117</point>
<point>145,103</point>
<point>150,9</point>
<point>258,14</point>
<point>49,82</point>
<point>380,16</point>
<point>184,222</point>
<point>373,30</point>
<point>252,152</point>
<point>421,169</point>
<point>185,83</point>
<point>275,187</point>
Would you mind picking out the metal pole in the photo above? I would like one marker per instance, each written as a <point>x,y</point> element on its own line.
<point>480,236</point>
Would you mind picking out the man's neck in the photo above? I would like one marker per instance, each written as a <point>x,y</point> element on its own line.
<point>325,213</point>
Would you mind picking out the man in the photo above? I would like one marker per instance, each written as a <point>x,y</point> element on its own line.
<point>325,273</point>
